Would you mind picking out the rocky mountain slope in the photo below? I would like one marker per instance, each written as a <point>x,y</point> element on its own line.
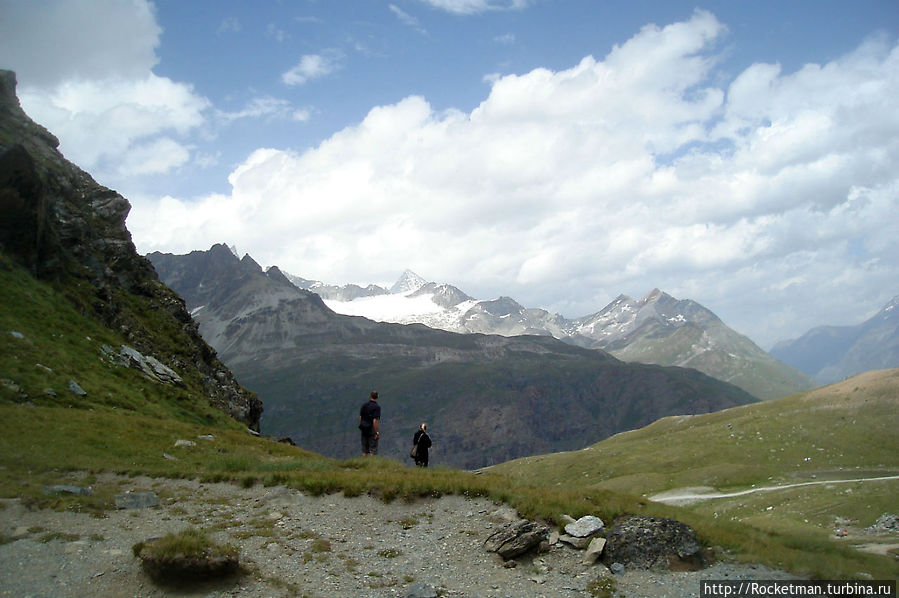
<point>831,353</point>
<point>661,329</point>
<point>657,329</point>
<point>69,232</point>
<point>486,398</point>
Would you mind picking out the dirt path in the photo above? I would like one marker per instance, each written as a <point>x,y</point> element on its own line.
<point>298,545</point>
<point>688,496</point>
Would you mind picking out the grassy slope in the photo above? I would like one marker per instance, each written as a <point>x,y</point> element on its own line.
<point>127,423</point>
<point>843,431</point>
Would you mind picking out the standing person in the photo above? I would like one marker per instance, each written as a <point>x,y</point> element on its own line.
<point>423,442</point>
<point>370,425</point>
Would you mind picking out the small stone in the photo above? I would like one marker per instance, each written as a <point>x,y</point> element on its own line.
<point>75,389</point>
<point>616,569</point>
<point>136,500</point>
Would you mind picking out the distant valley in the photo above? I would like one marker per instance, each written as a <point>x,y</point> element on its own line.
<point>487,398</point>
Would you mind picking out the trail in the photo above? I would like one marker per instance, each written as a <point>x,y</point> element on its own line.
<point>686,496</point>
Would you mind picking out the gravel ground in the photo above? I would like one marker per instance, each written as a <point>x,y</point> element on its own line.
<point>292,544</point>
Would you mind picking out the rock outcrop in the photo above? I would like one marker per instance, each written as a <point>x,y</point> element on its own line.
<point>62,226</point>
<point>640,542</point>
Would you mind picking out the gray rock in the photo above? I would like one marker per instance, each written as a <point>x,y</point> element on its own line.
<point>136,500</point>
<point>421,590</point>
<point>585,527</point>
<point>17,335</point>
<point>579,543</point>
<point>616,569</point>
<point>594,550</point>
<point>514,539</point>
<point>150,366</point>
<point>75,389</point>
<point>185,443</point>
<point>66,489</point>
<point>642,542</point>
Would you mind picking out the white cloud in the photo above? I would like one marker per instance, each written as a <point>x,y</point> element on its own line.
<point>406,18</point>
<point>564,189</point>
<point>85,72</point>
<point>51,41</point>
<point>469,7</point>
<point>104,124</point>
<point>266,107</point>
<point>313,66</point>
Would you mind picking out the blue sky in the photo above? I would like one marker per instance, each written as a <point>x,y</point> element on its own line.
<point>741,154</point>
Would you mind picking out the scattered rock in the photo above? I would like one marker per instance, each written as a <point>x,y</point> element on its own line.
<point>616,569</point>
<point>420,590</point>
<point>75,389</point>
<point>17,335</point>
<point>179,443</point>
<point>644,542</point>
<point>136,500</point>
<point>887,522</point>
<point>514,539</point>
<point>66,489</point>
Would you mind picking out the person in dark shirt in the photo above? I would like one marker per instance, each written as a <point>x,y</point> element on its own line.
<point>370,425</point>
<point>423,441</point>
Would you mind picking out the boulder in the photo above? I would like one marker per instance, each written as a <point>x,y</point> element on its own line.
<point>585,527</point>
<point>640,542</point>
<point>514,539</point>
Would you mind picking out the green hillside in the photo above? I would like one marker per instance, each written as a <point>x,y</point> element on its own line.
<point>840,432</point>
<point>126,424</point>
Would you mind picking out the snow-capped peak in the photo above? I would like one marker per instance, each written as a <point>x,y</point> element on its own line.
<point>409,282</point>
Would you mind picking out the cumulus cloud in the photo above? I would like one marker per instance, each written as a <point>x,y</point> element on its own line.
<point>85,72</point>
<point>313,66</point>
<point>566,188</point>
<point>105,124</point>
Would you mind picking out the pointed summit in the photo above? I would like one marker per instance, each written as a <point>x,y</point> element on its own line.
<point>409,282</point>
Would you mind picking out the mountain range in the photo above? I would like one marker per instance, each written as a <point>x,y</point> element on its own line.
<point>487,398</point>
<point>656,329</point>
<point>832,353</point>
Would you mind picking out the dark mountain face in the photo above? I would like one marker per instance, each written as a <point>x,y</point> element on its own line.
<point>831,353</point>
<point>61,226</point>
<point>486,398</point>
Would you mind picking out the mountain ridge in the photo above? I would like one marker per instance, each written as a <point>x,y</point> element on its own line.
<point>656,329</point>
<point>831,353</point>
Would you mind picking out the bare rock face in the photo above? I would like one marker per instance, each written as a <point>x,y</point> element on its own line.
<point>640,542</point>
<point>61,225</point>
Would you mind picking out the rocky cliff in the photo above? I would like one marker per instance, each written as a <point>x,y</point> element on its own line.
<point>63,227</point>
